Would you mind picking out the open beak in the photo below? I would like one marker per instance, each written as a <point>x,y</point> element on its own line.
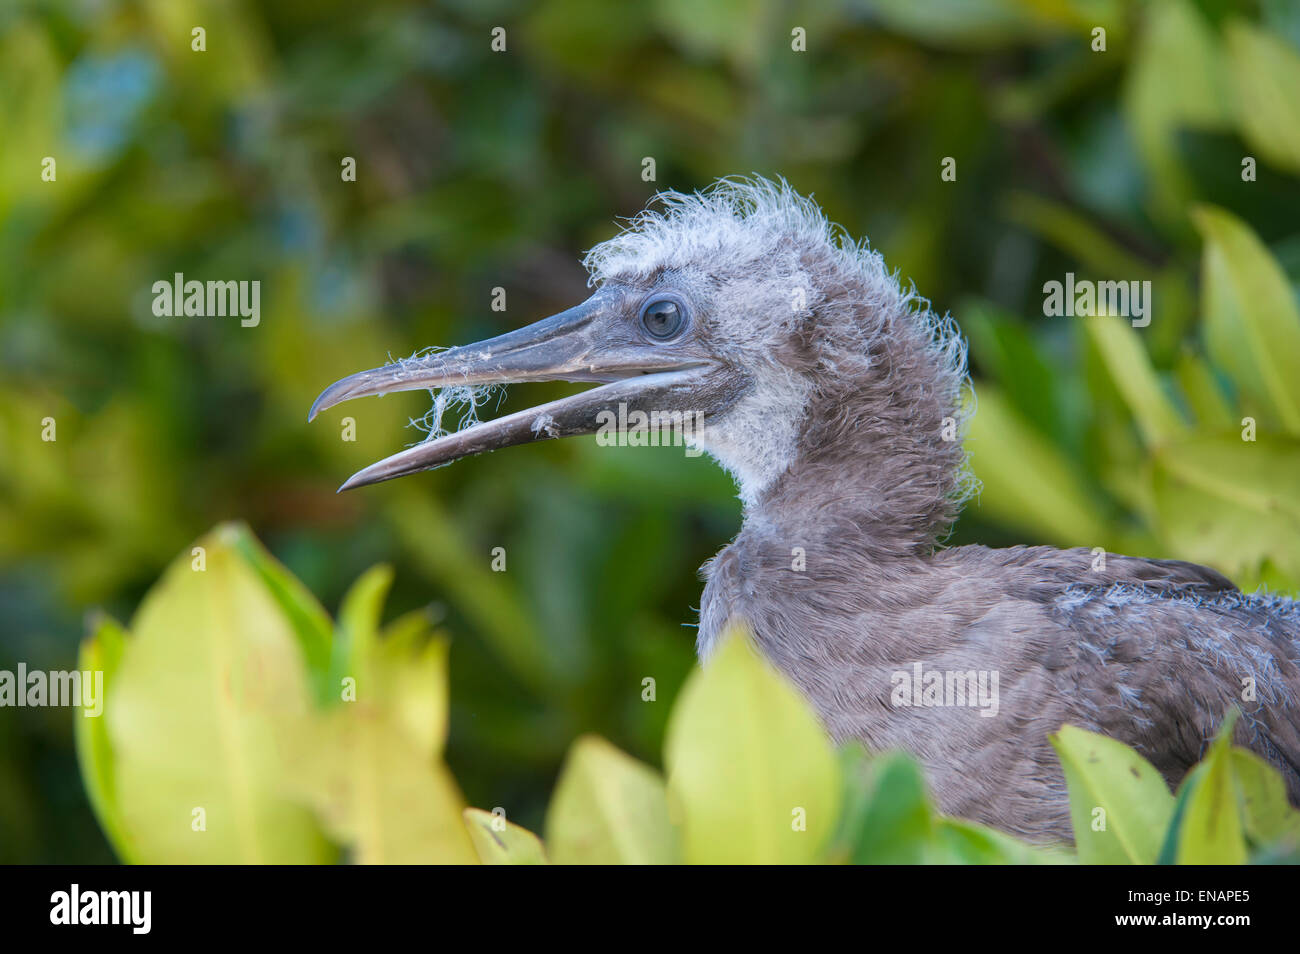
<point>575,345</point>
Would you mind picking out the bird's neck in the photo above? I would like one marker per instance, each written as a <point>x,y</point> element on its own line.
<point>876,482</point>
<point>879,468</point>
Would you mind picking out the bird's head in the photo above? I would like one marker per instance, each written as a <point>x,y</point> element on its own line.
<point>741,306</point>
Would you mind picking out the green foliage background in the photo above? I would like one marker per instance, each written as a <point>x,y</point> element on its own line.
<point>478,169</point>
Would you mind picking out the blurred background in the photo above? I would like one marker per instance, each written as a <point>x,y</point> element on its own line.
<point>477,169</point>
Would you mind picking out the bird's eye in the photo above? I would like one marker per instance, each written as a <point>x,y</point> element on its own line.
<point>663,318</point>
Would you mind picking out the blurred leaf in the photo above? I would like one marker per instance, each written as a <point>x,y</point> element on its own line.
<point>1119,805</point>
<point>1009,354</point>
<point>508,844</point>
<point>747,762</point>
<point>206,692</point>
<point>101,652</point>
<point>1252,322</point>
<point>1130,369</point>
<point>1027,482</point>
<point>608,808</point>
<point>967,843</point>
<point>1230,503</point>
<point>1268,817</point>
<point>376,791</point>
<point>1204,397</point>
<point>886,818</point>
<point>1210,832</point>
<point>1075,234</point>
<point>968,24</point>
<point>404,671</point>
<point>1175,42</point>
<point>311,624</point>
<point>1267,73</point>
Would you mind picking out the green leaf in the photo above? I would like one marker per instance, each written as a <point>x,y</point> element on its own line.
<point>1266,70</point>
<point>1010,355</point>
<point>887,818</point>
<point>1119,805</point>
<point>102,652</point>
<point>1204,396</point>
<point>402,671</point>
<point>1252,322</point>
<point>968,843</point>
<point>311,624</point>
<point>970,24</point>
<point>1211,830</point>
<point>376,791</point>
<point>1267,815</point>
<point>206,694</point>
<point>499,842</point>
<point>1126,360</point>
<point>751,774</point>
<point>1176,41</point>
<point>608,808</point>
<point>1230,503</point>
<point>1027,482</point>
<point>370,767</point>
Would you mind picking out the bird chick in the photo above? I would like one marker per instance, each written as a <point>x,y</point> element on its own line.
<point>837,400</point>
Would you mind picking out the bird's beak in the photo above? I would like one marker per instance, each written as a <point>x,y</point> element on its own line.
<point>585,343</point>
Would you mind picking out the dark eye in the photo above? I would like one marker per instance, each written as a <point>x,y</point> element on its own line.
<point>663,318</point>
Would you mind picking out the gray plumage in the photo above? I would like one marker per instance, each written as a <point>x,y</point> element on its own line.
<point>834,397</point>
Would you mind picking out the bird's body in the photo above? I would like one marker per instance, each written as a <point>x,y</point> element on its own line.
<point>837,400</point>
<point>1152,653</point>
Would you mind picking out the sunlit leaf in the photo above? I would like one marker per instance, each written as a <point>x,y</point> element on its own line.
<point>1121,350</point>
<point>751,774</point>
<point>1230,503</point>
<point>1119,804</point>
<point>102,652</point>
<point>1210,832</point>
<point>375,791</point>
<point>206,693</point>
<point>608,808</point>
<point>1268,817</point>
<point>311,624</point>
<point>1266,70</point>
<point>1027,482</point>
<point>500,842</point>
<point>1252,322</point>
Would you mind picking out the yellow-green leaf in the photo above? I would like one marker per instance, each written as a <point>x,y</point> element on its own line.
<point>1230,503</point>
<point>404,671</point>
<point>1120,348</point>
<point>101,652</point>
<point>1211,832</point>
<point>1267,815</point>
<point>1266,70</point>
<point>208,688</point>
<point>751,774</point>
<point>1252,322</point>
<point>376,791</point>
<point>500,842</point>
<point>608,808</point>
<point>1119,805</point>
<point>1027,482</point>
